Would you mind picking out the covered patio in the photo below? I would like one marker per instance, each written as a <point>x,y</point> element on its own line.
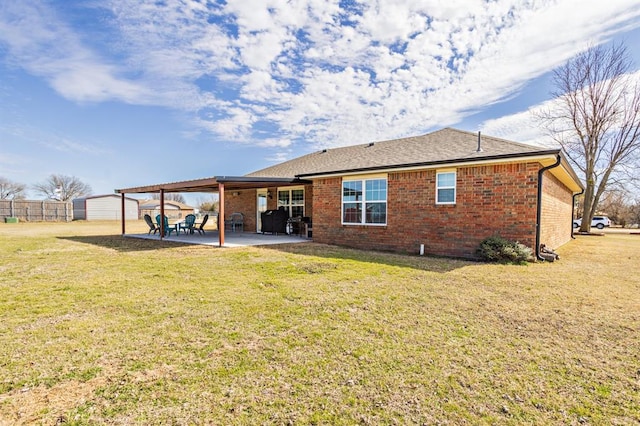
<point>217,184</point>
<point>232,239</point>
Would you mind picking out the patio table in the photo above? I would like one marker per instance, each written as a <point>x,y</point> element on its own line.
<point>177,225</point>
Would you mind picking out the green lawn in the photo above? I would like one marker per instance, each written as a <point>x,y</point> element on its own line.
<point>96,328</point>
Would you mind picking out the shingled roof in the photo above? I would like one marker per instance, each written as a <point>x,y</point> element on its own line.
<point>440,147</point>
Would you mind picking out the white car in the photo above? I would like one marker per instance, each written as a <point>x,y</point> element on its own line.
<point>599,222</point>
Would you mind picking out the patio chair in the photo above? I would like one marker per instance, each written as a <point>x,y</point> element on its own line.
<point>235,222</point>
<point>188,224</point>
<point>167,229</point>
<point>152,226</point>
<point>200,228</point>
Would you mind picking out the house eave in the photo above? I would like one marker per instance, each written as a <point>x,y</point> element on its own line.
<point>460,162</point>
<point>565,173</point>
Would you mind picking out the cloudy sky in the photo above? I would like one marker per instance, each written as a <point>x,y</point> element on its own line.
<point>124,93</point>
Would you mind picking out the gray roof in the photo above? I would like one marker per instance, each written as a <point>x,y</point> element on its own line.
<point>440,147</point>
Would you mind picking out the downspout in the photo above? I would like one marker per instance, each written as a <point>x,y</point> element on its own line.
<point>539,213</point>
<point>573,211</point>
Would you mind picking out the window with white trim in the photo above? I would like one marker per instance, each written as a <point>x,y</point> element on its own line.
<point>364,201</point>
<point>446,187</point>
<point>292,200</point>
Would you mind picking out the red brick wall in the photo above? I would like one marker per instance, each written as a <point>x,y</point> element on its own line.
<point>308,200</point>
<point>556,218</point>
<point>490,200</point>
<point>244,202</point>
<point>272,203</point>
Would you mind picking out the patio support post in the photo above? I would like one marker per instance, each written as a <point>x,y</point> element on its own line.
<point>161,224</point>
<point>221,214</point>
<point>122,210</point>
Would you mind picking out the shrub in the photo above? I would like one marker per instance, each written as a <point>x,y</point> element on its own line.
<point>498,249</point>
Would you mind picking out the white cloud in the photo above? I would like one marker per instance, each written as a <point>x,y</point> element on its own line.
<point>520,126</point>
<point>279,157</point>
<point>310,70</point>
<point>46,47</point>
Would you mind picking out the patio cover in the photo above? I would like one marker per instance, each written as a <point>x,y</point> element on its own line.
<point>213,184</point>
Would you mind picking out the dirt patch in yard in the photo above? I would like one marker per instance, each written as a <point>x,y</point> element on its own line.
<point>28,406</point>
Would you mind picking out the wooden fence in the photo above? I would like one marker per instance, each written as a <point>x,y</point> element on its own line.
<point>36,211</point>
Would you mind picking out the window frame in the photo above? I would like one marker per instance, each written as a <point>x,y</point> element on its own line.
<point>290,205</point>
<point>363,202</point>
<point>446,187</point>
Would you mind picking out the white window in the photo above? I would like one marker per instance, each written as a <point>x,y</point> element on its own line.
<point>292,200</point>
<point>364,201</point>
<point>446,187</point>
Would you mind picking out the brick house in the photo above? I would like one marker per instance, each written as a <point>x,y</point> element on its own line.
<point>443,192</point>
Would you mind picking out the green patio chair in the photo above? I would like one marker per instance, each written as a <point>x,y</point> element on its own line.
<point>167,229</point>
<point>188,225</point>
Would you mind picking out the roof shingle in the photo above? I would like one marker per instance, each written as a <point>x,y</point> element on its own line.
<point>442,146</point>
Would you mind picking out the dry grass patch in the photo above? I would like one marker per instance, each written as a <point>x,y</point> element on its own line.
<point>142,332</point>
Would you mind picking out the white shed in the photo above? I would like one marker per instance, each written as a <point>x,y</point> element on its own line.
<point>105,207</point>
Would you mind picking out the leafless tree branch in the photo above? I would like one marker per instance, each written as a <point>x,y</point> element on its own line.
<point>62,188</point>
<point>11,190</point>
<point>596,119</point>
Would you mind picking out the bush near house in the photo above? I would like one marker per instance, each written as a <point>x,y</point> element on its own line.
<point>498,249</point>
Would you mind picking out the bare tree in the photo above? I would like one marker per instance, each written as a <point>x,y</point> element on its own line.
<point>208,204</point>
<point>171,196</point>
<point>596,119</point>
<point>615,202</point>
<point>11,190</point>
<point>634,214</point>
<point>62,188</point>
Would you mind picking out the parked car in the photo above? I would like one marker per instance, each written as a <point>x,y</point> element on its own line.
<point>599,222</point>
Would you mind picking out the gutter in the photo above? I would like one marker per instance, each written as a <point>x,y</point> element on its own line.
<point>573,211</point>
<point>539,212</point>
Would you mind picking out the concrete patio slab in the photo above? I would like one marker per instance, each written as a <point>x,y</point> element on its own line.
<point>231,239</point>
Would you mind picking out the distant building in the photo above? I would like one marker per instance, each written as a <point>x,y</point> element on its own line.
<point>172,209</point>
<point>104,207</point>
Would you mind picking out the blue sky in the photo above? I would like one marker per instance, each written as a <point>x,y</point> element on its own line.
<point>123,93</point>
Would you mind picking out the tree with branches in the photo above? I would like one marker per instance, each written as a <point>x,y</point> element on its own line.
<point>634,213</point>
<point>596,120</point>
<point>208,204</point>
<point>171,196</point>
<point>11,190</point>
<point>62,188</point>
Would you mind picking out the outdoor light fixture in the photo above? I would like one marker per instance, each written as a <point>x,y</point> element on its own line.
<point>269,194</point>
